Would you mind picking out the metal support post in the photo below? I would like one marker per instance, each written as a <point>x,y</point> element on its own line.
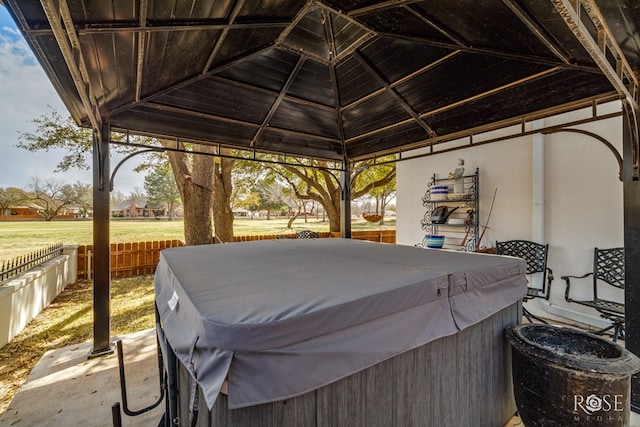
<point>345,201</point>
<point>631,245</point>
<point>101,245</point>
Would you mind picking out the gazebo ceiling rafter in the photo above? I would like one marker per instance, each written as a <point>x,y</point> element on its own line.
<point>277,101</point>
<point>397,97</point>
<point>157,26</point>
<point>141,39</point>
<point>193,79</point>
<point>436,26</point>
<point>531,78</point>
<point>534,59</point>
<point>379,6</point>
<point>64,33</point>
<point>332,79</point>
<point>535,29</point>
<point>459,103</point>
<point>233,121</point>
<point>223,34</point>
<point>604,50</point>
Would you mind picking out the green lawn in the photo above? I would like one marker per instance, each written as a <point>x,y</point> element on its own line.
<point>20,237</point>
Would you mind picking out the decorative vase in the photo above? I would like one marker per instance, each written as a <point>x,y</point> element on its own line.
<point>565,377</point>
<point>434,241</point>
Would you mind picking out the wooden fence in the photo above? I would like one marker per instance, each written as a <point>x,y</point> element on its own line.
<point>383,236</point>
<point>138,258</point>
<point>127,259</point>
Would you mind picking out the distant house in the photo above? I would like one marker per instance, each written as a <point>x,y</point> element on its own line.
<point>131,208</point>
<point>241,213</point>
<point>78,211</point>
<point>139,208</point>
<point>25,211</point>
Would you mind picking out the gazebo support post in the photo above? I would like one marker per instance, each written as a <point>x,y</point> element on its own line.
<point>632,243</point>
<point>101,245</point>
<point>345,200</point>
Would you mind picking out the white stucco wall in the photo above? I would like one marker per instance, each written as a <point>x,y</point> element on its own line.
<point>25,295</point>
<point>583,204</point>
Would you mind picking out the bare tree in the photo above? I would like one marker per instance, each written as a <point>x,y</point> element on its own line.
<point>54,196</point>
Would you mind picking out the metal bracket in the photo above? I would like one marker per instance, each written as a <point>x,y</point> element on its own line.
<point>115,170</point>
<point>99,152</point>
<point>632,119</point>
<point>599,138</point>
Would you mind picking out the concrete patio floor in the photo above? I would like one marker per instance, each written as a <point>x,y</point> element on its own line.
<point>67,389</point>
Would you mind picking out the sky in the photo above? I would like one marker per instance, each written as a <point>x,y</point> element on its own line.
<point>25,94</point>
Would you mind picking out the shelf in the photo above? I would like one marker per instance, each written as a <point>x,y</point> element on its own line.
<point>467,233</point>
<point>467,199</point>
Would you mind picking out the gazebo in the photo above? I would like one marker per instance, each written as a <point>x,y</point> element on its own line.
<point>341,81</point>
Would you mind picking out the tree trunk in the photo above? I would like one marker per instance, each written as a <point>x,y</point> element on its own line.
<point>195,182</point>
<point>333,212</point>
<point>172,208</point>
<point>198,196</point>
<point>223,190</point>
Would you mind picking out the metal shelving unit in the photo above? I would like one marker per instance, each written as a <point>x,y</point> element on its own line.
<point>459,236</point>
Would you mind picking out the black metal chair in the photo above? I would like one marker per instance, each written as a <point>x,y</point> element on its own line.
<point>307,234</point>
<point>608,269</point>
<point>535,255</point>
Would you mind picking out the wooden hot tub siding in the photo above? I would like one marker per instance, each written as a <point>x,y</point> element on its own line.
<point>455,381</point>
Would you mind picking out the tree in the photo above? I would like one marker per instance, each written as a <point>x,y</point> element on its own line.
<point>382,194</point>
<point>321,185</point>
<point>198,177</point>
<point>244,194</point>
<point>194,178</point>
<point>56,195</point>
<point>11,197</point>
<point>222,197</point>
<point>162,191</point>
<point>117,197</point>
<point>55,131</point>
<point>269,195</point>
<point>85,197</point>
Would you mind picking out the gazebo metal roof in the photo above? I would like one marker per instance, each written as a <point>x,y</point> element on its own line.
<point>331,79</point>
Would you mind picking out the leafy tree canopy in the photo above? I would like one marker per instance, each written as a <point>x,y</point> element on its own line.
<point>53,131</point>
<point>161,188</point>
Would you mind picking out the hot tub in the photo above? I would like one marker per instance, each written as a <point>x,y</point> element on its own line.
<point>339,332</point>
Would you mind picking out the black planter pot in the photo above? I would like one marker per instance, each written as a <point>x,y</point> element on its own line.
<point>565,377</point>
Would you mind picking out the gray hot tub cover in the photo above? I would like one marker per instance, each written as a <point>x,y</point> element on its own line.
<point>279,318</point>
